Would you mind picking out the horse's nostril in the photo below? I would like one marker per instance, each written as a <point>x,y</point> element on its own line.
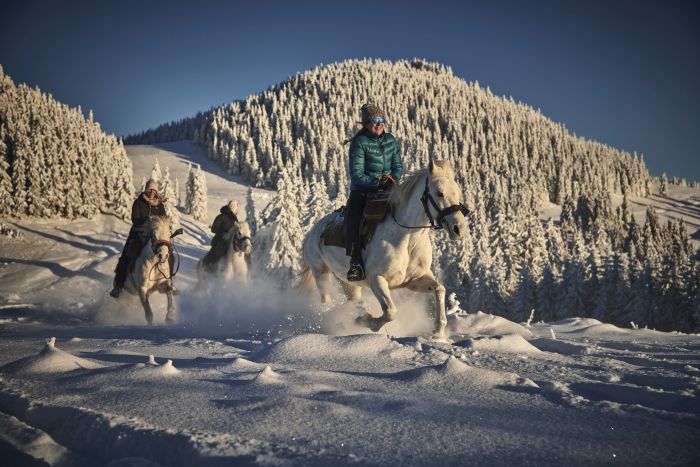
<point>456,230</point>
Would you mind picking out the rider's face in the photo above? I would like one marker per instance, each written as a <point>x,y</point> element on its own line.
<point>375,128</point>
<point>151,193</point>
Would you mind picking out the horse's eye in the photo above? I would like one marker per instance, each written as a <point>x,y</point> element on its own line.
<point>440,195</point>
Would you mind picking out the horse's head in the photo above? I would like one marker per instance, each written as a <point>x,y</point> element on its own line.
<point>443,199</point>
<point>160,237</point>
<point>241,238</point>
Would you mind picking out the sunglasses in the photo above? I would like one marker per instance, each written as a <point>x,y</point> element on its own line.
<point>376,120</point>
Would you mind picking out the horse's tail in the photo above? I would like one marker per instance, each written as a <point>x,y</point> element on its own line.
<point>303,279</point>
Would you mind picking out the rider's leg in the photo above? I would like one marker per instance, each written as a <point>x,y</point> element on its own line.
<point>353,246</point>
<point>122,270</point>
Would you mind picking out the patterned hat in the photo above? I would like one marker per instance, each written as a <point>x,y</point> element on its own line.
<point>369,110</point>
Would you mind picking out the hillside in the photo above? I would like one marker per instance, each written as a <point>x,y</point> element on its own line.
<point>255,375</point>
<point>513,163</point>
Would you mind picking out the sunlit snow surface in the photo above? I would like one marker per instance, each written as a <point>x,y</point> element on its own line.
<point>255,376</point>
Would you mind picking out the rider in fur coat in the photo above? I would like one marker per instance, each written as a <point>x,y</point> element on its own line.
<point>148,204</point>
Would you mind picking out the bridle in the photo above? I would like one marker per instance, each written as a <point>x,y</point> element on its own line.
<point>155,244</point>
<point>436,223</point>
<point>238,241</point>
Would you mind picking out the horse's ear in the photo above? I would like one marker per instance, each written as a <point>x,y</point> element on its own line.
<point>444,164</point>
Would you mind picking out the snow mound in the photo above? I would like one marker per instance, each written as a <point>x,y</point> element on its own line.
<point>561,347</point>
<point>599,329</point>
<point>575,323</point>
<point>50,360</point>
<point>242,364</point>
<point>315,348</point>
<point>509,343</point>
<point>483,324</point>
<point>455,372</point>
<point>267,377</point>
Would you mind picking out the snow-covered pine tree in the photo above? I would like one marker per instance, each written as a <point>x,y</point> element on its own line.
<point>167,193</point>
<point>198,208</point>
<point>250,212</point>
<point>285,233</point>
<point>156,173</point>
<point>189,186</point>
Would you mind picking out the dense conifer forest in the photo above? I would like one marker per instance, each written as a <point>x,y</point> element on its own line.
<point>55,163</point>
<point>595,260</point>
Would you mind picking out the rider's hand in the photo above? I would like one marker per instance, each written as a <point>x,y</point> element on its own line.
<point>387,180</point>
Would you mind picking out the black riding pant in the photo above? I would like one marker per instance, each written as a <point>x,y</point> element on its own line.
<point>122,268</point>
<point>353,217</point>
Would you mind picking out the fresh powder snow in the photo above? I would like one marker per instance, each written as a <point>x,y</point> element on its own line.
<point>257,374</point>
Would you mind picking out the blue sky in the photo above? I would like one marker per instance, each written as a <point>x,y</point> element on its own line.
<point>621,72</point>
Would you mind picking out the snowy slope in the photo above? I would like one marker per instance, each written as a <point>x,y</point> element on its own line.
<point>255,376</point>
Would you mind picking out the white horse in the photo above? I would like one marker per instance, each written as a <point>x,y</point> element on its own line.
<point>151,271</point>
<point>400,253</point>
<point>235,264</point>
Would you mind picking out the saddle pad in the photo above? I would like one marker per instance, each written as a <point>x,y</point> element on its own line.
<point>334,233</point>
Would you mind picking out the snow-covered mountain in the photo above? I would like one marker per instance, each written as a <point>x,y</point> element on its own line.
<point>517,168</point>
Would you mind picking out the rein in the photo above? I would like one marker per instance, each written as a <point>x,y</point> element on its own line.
<point>435,223</point>
<point>155,244</point>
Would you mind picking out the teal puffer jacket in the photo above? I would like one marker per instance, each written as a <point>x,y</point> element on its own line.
<point>371,157</point>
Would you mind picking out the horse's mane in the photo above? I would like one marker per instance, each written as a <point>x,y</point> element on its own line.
<point>160,224</point>
<point>244,228</point>
<point>401,193</point>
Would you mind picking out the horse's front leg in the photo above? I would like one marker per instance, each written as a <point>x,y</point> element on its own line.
<point>143,295</point>
<point>380,288</point>
<point>170,316</point>
<point>427,284</point>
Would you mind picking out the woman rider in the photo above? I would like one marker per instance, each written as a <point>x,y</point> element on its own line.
<point>147,205</point>
<point>375,164</point>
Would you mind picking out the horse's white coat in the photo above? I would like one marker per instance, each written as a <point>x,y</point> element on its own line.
<point>396,257</point>
<point>151,272</point>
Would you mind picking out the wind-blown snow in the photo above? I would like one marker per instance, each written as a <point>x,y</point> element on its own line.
<point>250,375</point>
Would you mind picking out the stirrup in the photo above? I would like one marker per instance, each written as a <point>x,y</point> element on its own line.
<point>356,272</point>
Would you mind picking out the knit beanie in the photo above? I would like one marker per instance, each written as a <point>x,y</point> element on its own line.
<point>233,206</point>
<point>369,110</point>
<point>151,185</point>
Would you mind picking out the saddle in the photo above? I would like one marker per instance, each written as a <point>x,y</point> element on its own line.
<point>376,209</point>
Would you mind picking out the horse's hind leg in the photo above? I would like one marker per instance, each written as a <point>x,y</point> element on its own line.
<point>352,292</point>
<point>323,282</point>
<point>380,288</point>
<point>143,295</point>
<point>427,284</point>
<point>170,316</point>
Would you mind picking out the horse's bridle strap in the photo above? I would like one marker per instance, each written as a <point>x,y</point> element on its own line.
<point>436,223</point>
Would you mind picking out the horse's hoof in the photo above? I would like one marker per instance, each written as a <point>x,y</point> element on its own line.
<point>369,321</point>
